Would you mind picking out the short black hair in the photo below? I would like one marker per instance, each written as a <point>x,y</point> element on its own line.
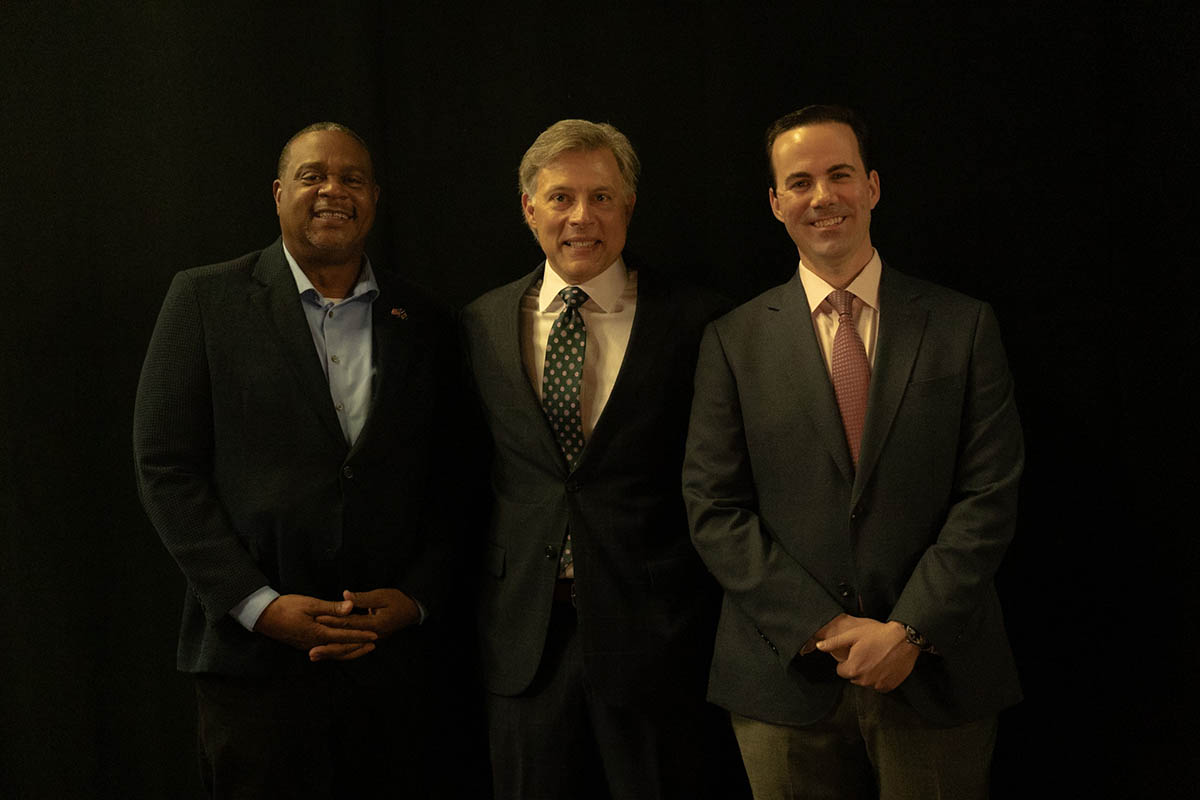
<point>812,115</point>
<point>322,126</point>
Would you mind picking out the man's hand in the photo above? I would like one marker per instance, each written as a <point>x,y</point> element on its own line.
<point>296,620</point>
<point>388,610</point>
<point>872,654</point>
<point>840,624</point>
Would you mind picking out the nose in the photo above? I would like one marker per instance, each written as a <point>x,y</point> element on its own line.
<point>581,212</point>
<point>822,193</point>
<point>332,185</point>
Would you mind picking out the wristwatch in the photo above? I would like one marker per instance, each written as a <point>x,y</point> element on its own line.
<point>916,638</point>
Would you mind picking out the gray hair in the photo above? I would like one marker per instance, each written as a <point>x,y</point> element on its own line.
<point>572,135</point>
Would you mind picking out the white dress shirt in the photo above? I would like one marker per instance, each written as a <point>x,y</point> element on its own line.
<point>608,315</point>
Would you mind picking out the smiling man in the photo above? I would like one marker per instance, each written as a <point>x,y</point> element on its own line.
<point>597,616</point>
<point>851,480</point>
<point>293,436</point>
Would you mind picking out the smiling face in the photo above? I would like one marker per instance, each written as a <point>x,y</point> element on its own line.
<point>579,213</point>
<point>823,195</point>
<point>325,198</point>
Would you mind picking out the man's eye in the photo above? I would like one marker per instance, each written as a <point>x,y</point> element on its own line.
<point>558,198</point>
<point>799,186</point>
<point>354,180</point>
<point>602,198</point>
<point>310,178</point>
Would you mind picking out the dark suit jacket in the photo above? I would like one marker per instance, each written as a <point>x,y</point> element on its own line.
<point>796,536</point>
<point>646,605</point>
<point>244,470</point>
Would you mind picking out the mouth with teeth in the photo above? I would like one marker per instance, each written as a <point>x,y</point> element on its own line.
<point>828,222</point>
<point>581,244</point>
<point>334,214</point>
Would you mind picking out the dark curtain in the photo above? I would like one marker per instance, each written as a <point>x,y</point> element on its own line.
<point>1028,156</point>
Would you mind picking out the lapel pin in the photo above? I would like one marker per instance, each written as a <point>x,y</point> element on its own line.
<point>399,312</point>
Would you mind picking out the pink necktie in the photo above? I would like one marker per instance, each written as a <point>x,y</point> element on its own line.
<point>851,372</point>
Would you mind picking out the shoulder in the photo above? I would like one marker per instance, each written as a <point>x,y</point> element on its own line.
<point>233,270</point>
<point>750,312</point>
<point>944,307</point>
<point>500,302</point>
<point>227,281</point>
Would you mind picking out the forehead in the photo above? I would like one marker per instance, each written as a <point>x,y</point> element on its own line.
<point>818,145</point>
<point>593,168</point>
<point>329,148</point>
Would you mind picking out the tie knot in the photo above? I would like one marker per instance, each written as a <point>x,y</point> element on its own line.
<point>573,296</point>
<point>842,301</point>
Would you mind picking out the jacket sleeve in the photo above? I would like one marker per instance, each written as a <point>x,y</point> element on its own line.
<point>949,581</point>
<point>786,603</point>
<point>173,457</point>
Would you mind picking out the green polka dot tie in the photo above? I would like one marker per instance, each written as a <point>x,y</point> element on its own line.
<point>563,374</point>
<point>561,381</point>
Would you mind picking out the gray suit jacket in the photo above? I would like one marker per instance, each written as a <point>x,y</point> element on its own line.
<point>797,536</point>
<point>245,472</point>
<point>646,606</point>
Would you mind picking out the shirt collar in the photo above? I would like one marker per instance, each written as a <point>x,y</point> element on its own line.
<point>604,290</point>
<point>365,285</point>
<point>865,285</point>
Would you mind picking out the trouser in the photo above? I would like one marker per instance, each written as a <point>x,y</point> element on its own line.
<point>871,745</point>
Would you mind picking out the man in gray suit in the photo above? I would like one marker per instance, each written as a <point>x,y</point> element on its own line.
<point>597,616</point>
<point>851,480</point>
<point>293,435</point>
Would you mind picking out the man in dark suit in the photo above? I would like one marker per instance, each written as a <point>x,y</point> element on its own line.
<point>290,443</point>
<point>851,480</point>
<point>597,616</point>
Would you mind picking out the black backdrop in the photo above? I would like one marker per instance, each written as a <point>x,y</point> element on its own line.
<point>1021,152</point>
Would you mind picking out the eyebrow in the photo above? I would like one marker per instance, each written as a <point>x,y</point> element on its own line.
<point>561,187</point>
<point>323,166</point>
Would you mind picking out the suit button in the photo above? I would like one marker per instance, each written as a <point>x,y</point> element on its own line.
<point>845,589</point>
<point>551,551</point>
<point>347,472</point>
<point>574,486</point>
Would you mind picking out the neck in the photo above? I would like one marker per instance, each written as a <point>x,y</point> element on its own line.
<point>839,275</point>
<point>334,281</point>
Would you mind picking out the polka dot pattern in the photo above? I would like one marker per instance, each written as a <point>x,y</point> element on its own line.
<point>562,379</point>
<point>851,371</point>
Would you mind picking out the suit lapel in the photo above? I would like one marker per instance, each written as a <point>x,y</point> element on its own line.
<point>643,355</point>
<point>393,342</point>
<point>279,302</point>
<point>507,343</point>
<point>901,327</point>
<point>801,372</point>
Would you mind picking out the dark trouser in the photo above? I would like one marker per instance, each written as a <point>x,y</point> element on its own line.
<point>871,745</point>
<point>560,741</point>
<point>312,734</point>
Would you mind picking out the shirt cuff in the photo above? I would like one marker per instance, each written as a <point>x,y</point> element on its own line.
<point>249,610</point>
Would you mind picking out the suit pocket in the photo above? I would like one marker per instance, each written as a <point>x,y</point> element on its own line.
<point>930,386</point>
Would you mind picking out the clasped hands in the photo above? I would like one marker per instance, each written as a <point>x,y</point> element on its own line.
<point>331,630</point>
<point>873,654</point>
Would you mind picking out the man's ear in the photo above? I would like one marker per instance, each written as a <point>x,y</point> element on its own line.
<point>773,199</point>
<point>527,207</point>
